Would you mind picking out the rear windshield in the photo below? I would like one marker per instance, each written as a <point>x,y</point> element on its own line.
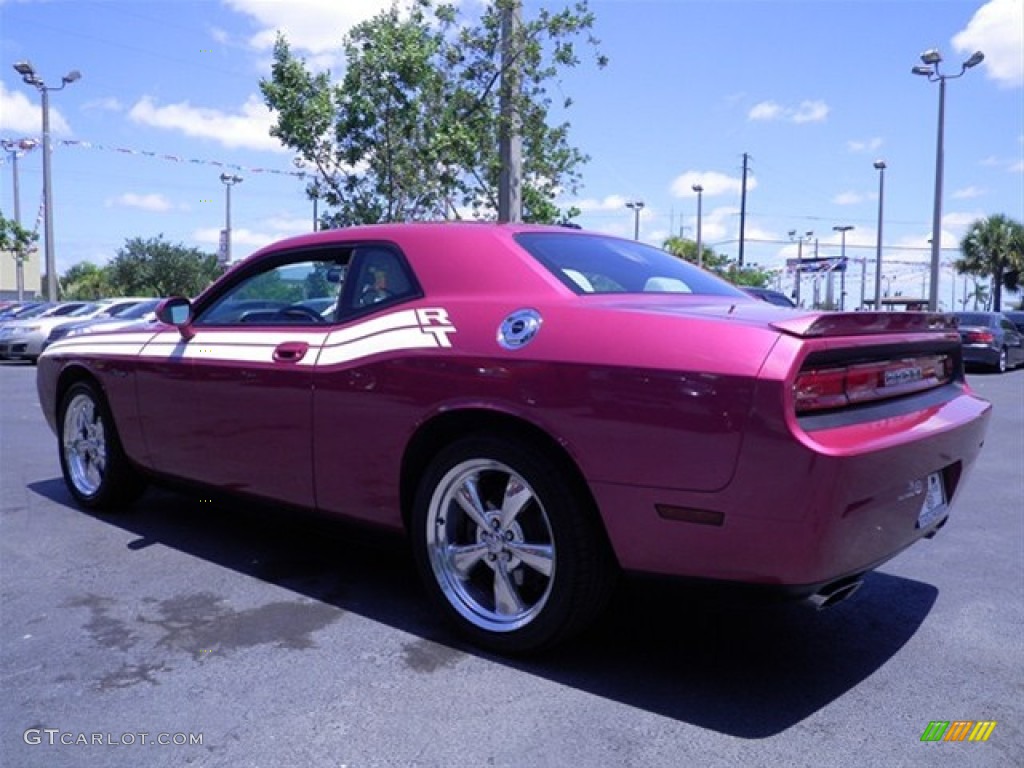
<point>597,264</point>
<point>974,318</point>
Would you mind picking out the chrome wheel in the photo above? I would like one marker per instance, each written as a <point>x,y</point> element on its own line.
<point>84,445</point>
<point>95,467</point>
<point>490,545</point>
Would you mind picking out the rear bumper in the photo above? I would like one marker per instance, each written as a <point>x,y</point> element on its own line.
<point>804,508</point>
<point>980,355</point>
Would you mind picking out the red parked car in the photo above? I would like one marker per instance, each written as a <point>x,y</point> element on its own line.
<point>539,408</point>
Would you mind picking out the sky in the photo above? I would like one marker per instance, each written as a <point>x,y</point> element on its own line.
<point>812,92</point>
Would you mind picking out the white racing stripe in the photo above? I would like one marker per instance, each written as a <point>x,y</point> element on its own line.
<point>389,341</point>
<point>120,344</point>
<point>403,330</point>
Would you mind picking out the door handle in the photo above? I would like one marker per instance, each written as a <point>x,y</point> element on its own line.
<point>290,351</point>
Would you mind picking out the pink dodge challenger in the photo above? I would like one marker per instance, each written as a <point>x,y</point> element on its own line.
<point>538,408</point>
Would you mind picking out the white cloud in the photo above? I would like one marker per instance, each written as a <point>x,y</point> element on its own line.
<point>954,227</point>
<point>108,104</point>
<point>864,147</point>
<point>247,128</point>
<point>720,224</point>
<point>714,184</point>
<point>19,113</point>
<point>151,202</point>
<point>848,198</point>
<point>244,240</point>
<point>609,203</point>
<point>315,26</point>
<point>967,193</point>
<point>958,222</point>
<point>997,29</point>
<point>806,112</point>
<point>766,110</point>
<point>811,112</point>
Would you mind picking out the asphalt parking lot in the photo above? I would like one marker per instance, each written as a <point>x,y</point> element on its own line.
<point>275,641</point>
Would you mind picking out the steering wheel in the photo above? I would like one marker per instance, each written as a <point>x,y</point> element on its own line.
<point>373,295</point>
<point>301,312</point>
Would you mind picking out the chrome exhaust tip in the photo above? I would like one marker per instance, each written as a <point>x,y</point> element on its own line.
<point>833,594</point>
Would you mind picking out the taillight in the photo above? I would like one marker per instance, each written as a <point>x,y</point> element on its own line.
<point>817,389</point>
<point>980,337</point>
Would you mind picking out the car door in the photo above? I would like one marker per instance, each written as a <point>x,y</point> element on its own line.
<point>1014,342</point>
<point>245,377</point>
<point>365,397</point>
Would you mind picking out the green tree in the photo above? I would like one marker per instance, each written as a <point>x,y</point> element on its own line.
<point>980,295</point>
<point>687,250</point>
<point>720,264</point>
<point>748,274</point>
<point>155,267</point>
<point>412,130</point>
<point>87,281</point>
<point>993,247</point>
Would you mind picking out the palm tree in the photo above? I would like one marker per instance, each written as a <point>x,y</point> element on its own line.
<point>980,296</point>
<point>994,247</point>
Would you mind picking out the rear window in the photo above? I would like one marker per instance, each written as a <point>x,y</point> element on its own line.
<point>974,318</point>
<point>597,264</point>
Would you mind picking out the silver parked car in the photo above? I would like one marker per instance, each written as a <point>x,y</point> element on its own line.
<point>25,339</point>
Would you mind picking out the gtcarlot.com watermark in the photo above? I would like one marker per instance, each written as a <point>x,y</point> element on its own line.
<point>56,737</point>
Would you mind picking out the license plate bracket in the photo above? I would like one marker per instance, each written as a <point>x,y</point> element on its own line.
<point>934,505</point>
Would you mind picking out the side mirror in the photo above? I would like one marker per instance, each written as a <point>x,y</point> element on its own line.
<point>176,311</point>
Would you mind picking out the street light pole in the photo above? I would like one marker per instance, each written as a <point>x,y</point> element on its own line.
<point>842,230</point>
<point>14,148</point>
<point>229,180</point>
<point>880,167</point>
<point>29,76</point>
<point>799,260</point>
<point>700,248</point>
<point>637,206</point>
<point>931,59</point>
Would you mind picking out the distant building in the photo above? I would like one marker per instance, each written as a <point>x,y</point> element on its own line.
<point>9,275</point>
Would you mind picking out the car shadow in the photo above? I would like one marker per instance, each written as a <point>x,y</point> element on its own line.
<point>746,669</point>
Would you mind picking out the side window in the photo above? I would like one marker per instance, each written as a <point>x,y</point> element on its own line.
<point>380,277</point>
<point>304,291</point>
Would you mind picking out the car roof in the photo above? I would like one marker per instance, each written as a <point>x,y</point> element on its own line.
<point>447,255</point>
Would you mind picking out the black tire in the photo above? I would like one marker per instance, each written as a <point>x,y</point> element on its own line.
<point>536,572</point>
<point>92,460</point>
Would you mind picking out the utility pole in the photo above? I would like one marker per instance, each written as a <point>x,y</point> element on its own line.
<point>743,207</point>
<point>510,141</point>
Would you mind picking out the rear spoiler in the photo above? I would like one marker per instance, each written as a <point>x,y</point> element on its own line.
<point>866,323</point>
